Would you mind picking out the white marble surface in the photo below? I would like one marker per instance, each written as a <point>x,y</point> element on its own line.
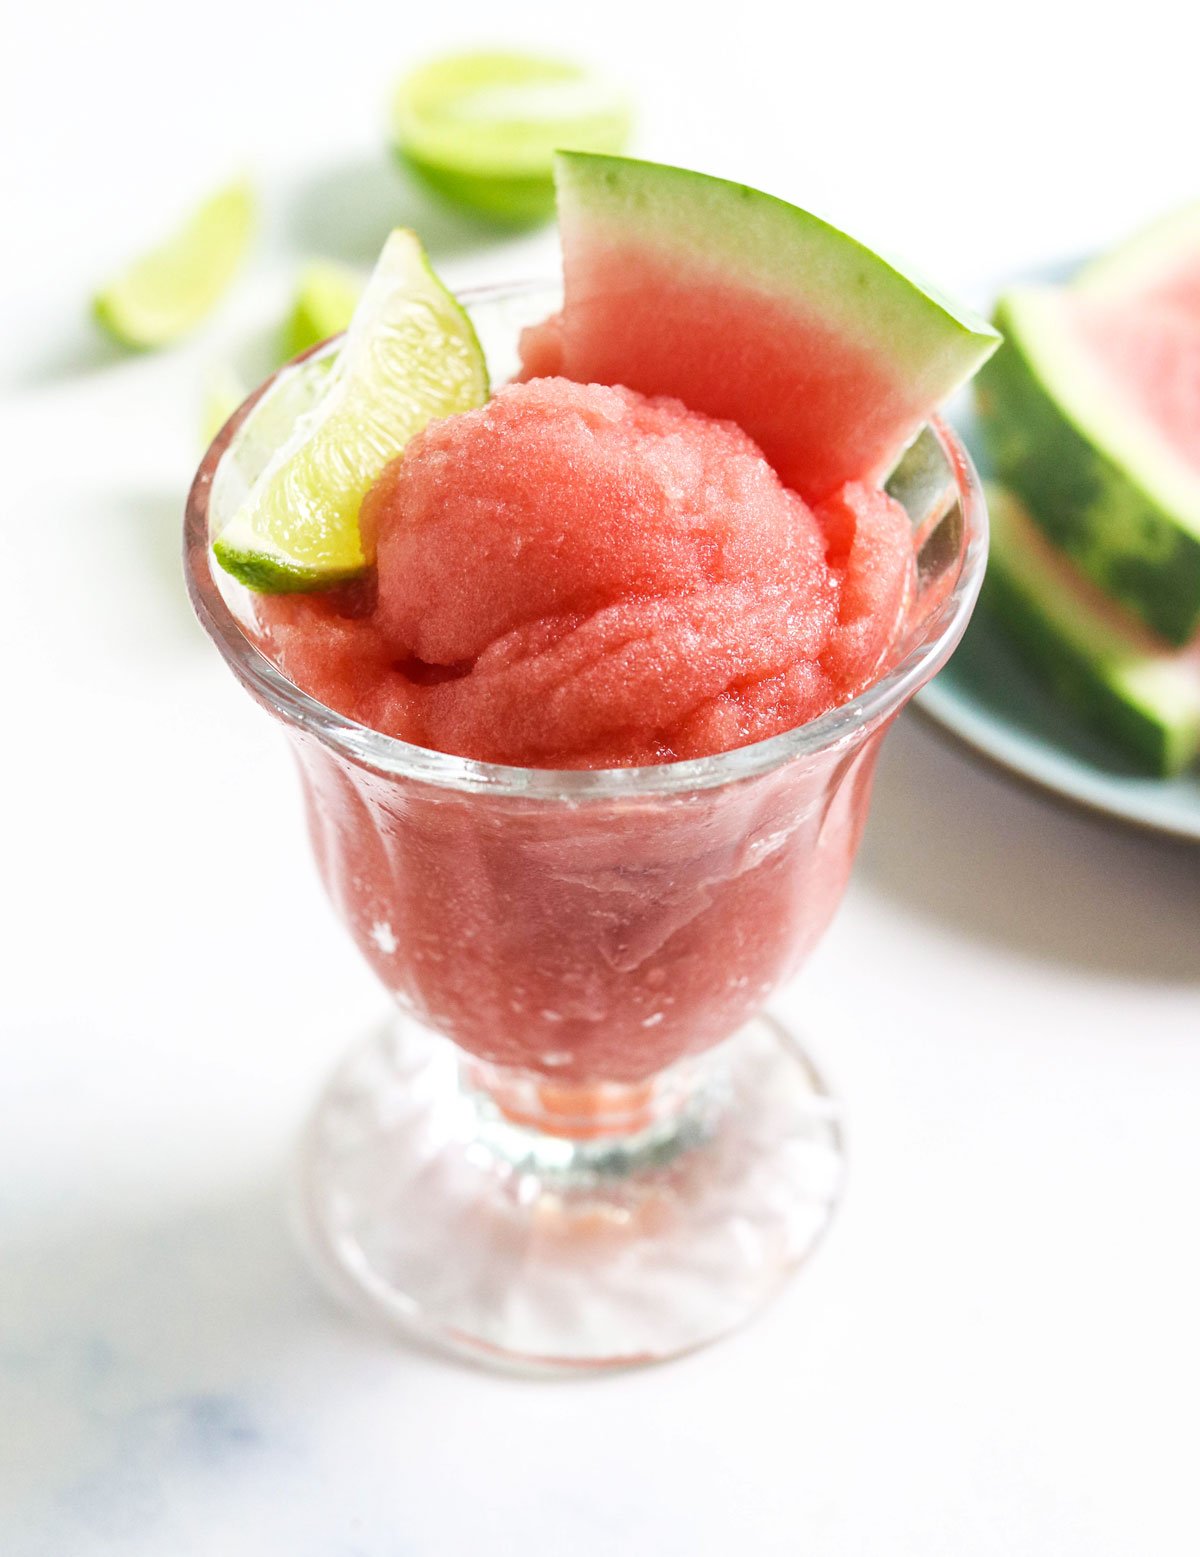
<point>996,1351</point>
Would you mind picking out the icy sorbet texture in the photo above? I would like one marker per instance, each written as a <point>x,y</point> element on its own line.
<point>578,576</point>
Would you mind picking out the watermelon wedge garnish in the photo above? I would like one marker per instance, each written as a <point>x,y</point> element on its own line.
<point>747,308</point>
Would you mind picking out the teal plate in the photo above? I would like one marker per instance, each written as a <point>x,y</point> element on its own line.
<point>987,698</point>
<point>989,701</point>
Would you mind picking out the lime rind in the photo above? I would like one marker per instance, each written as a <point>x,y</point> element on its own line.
<point>410,355</point>
<point>482,129</point>
<point>514,202</point>
<point>168,291</point>
<point>271,575</point>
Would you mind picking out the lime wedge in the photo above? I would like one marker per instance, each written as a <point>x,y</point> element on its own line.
<point>224,391</point>
<point>410,355</point>
<point>325,301</point>
<point>482,129</point>
<point>168,291</point>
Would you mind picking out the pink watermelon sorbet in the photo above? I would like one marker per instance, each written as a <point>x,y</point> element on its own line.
<point>577,575</point>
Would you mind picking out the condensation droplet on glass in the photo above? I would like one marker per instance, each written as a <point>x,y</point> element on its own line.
<point>384,937</point>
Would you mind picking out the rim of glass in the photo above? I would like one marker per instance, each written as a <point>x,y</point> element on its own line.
<point>393,757</point>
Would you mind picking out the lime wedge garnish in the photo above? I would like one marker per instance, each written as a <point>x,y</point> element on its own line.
<point>482,129</point>
<point>410,355</point>
<point>325,300</point>
<point>165,293</point>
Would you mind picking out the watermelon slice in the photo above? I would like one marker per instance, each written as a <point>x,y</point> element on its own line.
<point>1160,264</point>
<point>1121,682</point>
<point>747,308</point>
<point>1092,413</point>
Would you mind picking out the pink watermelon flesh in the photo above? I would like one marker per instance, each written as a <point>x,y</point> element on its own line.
<point>579,576</point>
<point>1167,277</point>
<point>1180,291</point>
<point>823,409</point>
<point>1150,350</point>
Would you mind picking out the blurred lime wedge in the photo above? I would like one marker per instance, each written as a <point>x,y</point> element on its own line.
<point>482,129</point>
<point>410,355</point>
<point>326,297</point>
<point>168,291</point>
<point>224,391</point>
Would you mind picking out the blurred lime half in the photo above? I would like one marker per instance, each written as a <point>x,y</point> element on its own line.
<point>410,355</point>
<point>168,291</point>
<point>326,297</point>
<point>482,129</point>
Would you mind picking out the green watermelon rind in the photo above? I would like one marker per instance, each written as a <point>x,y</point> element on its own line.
<point>1095,475</point>
<point>1117,683</point>
<point>766,242</point>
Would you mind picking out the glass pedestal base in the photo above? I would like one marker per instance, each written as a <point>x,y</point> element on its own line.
<point>429,1198</point>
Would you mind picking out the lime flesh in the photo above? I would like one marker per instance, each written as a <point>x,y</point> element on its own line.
<point>166,293</point>
<point>326,297</point>
<point>410,355</point>
<point>482,129</point>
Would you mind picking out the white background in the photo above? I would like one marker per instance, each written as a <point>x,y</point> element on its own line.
<point>997,1350</point>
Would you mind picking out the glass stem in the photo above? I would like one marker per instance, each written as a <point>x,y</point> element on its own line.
<point>599,1126</point>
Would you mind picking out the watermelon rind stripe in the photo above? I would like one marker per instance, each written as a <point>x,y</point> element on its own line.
<point>1142,697</point>
<point>1095,473</point>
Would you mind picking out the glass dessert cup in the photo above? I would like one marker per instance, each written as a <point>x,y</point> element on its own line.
<point>580,1144</point>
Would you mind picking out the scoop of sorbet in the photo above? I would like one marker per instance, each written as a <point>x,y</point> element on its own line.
<point>578,576</point>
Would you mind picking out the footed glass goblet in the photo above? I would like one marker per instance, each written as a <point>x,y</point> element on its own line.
<point>579,1142</point>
